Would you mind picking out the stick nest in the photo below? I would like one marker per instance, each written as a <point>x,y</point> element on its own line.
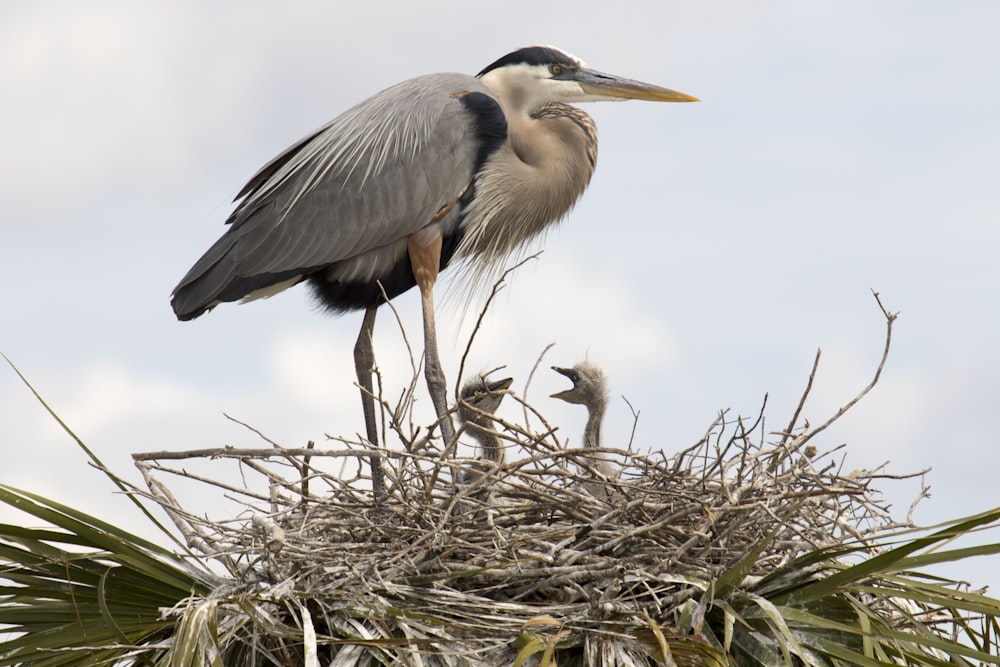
<point>470,550</point>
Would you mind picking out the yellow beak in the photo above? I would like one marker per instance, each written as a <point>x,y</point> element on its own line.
<point>609,86</point>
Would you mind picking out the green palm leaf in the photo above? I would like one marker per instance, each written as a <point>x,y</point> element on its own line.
<point>821,610</point>
<point>85,592</point>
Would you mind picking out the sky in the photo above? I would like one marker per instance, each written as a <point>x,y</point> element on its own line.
<point>837,149</point>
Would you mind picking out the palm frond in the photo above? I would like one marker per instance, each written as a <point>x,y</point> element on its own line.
<point>85,592</point>
<point>821,609</point>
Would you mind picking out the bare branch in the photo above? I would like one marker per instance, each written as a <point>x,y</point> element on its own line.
<point>889,319</point>
<point>802,401</point>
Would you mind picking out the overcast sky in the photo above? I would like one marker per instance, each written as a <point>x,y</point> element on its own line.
<point>837,149</point>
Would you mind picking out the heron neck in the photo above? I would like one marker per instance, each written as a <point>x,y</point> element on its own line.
<point>489,443</point>
<point>525,186</point>
<point>592,431</point>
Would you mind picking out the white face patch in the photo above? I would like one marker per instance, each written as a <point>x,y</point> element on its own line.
<point>524,88</point>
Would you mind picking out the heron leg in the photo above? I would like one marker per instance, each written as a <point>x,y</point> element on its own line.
<point>425,259</point>
<point>364,365</point>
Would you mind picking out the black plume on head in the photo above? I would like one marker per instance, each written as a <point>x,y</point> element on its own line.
<point>532,55</point>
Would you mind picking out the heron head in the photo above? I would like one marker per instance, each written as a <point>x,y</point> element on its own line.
<point>589,385</point>
<point>483,395</point>
<point>537,75</point>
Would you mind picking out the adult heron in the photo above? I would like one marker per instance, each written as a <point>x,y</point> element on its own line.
<point>436,169</point>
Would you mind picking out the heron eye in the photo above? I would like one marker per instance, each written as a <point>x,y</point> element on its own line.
<point>555,70</point>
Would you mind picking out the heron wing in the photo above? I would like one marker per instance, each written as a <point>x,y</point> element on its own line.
<point>363,182</point>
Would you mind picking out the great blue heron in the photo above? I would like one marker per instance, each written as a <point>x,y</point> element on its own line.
<point>478,400</point>
<point>589,390</point>
<point>438,168</point>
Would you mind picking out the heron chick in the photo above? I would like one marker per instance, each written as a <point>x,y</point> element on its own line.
<point>589,390</point>
<point>478,400</point>
<point>438,169</point>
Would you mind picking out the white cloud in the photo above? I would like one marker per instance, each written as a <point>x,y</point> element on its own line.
<point>313,367</point>
<point>555,299</point>
<point>117,412</point>
<point>112,97</point>
<point>114,412</point>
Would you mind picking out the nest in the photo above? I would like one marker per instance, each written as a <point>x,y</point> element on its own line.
<point>462,554</point>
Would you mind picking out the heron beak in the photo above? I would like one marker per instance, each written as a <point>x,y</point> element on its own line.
<point>500,385</point>
<point>609,86</point>
<point>568,393</point>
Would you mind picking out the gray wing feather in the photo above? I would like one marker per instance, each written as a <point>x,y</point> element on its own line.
<point>361,183</point>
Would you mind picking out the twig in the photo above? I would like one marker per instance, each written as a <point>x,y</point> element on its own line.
<point>802,401</point>
<point>531,376</point>
<point>889,319</point>
<point>635,422</point>
<point>230,452</point>
<point>497,288</point>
